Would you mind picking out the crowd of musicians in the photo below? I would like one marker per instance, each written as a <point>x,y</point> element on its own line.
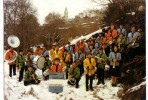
<point>101,57</point>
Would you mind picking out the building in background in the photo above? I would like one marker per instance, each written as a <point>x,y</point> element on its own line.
<point>66,14</point>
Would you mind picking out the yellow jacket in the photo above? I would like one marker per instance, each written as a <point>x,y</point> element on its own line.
<point>68,58</point>
<point>89,67</point>
<point>53,54</point>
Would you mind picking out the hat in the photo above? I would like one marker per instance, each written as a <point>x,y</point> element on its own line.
<point>68,43</point>
<point>29,66</point>
<point>20,50</point>
<point>56,59</point>
<point>47,55</point>
<point>89,53</point>
<point>101,48</point>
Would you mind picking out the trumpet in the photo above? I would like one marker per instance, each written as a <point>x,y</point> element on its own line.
<point>114,63</point>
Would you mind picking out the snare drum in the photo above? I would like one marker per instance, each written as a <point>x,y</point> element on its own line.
<point>46,72</point>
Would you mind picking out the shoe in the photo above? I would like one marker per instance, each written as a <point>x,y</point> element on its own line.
<point>98,83</point>
<point>20,80</point>
<point>10,75</point>
<point>77,86</point>
<point>114,85</point>
<point>86,89</point>
<point>92,89</point>
<point>103,83</point>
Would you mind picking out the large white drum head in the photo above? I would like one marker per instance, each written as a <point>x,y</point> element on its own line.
<point>13,41</point>
<point>40,62</point>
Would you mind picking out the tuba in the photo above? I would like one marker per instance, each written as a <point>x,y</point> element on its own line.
<point>14,42</point>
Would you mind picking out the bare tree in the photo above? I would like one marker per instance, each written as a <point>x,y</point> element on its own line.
<point>52,32</point>
<point>20,20</point>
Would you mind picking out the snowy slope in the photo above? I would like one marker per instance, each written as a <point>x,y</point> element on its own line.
<point>17,91</point>
<point>87,36</point>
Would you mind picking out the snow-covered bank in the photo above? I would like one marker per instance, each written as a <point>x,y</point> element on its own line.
<point>17,91</point>
<point>87,36</point>
<point>136,87</point>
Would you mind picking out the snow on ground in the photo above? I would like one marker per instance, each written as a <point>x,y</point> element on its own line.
<point>136,87</point>
<point>15,90</point>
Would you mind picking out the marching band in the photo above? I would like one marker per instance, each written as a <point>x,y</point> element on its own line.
<point>90,56</point>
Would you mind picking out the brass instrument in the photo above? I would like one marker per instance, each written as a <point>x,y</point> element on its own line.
<point>100,60</point>
<point>27,58</point>
<point>114,62</point>
<point>89,70</point>
<point>32,75</point>
<point>11,58</point>
<point>14,42</point>
<point>133,42</point>
<point>119,43</point>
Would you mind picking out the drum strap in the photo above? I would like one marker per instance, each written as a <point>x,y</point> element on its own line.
<point>57,68</point>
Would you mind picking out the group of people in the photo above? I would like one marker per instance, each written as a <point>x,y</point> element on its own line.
<point>101,57</point>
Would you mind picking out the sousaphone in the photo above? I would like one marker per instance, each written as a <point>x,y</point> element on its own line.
<point>14,42</point>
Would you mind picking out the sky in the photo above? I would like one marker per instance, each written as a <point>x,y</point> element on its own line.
<point>74,7</point>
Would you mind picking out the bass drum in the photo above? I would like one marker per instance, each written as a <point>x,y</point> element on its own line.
<point>38,62</point>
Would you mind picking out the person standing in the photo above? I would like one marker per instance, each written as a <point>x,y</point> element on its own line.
<point>115,58</point>
<point>69,48</point>
<point>121,29</point>
<point>20,64</point>
<point>28,59</point>
<point>12,65</point>
<point>38,51</point>
<point>52,52</point>
<point>101,60</point>
<point>67,61</point>
<point>47,65</point>
<point>89,67</point>
<point>79,57</point>
<point>133,40</point>
<point>45,52</point>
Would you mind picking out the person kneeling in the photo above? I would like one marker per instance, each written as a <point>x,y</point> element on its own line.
<point>74,72</point>
<point>30,77</point>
